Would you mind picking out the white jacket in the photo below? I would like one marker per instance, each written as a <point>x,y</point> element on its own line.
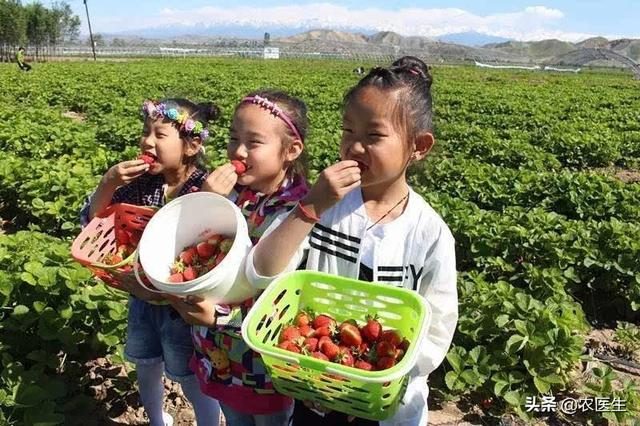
<point>417,254</point>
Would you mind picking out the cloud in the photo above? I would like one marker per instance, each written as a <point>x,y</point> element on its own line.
<point>531,23</point>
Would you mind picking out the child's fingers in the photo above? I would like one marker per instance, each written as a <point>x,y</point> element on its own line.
<point>132,163</point>
<point>137,170</point>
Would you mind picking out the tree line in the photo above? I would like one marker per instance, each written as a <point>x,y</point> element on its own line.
<point>37,26</point>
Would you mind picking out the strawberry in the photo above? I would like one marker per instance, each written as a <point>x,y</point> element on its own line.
<point>310,344</point>
<point>302,318</point>
<point>189,256</point>
<point>363,365</point>
<point>345,357</point>
<point>350,335</point>
<point>404,345</point>
<point>290,333</point>
<point>147,158</point>
<point>176,278</point>
<point>112,259</point>
<point>220,257</point>
<point>239,166</point>
<point>190,273</point>
<point>372,329</point>
<point>323,340</point>
<point>288,345</point>
<point>323,320</point>
<point>325,330</point>
<point>214,240</point>
<point>122,237</point>
<point>385,362</point>
<point>347,322</point>
<point>391,336</point>
<point>306,330</point>
<point>330,349</point>
<point>205,250</point>
<point>399,355</point>
<point>385,349</point>
<point>320,355</point>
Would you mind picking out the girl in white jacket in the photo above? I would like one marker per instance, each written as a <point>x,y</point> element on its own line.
<point>362,220</point>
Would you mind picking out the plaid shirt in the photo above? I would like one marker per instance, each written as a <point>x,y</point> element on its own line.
<point>147,190</point>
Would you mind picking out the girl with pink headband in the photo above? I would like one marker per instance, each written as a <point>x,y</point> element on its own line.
<point>265,178</point>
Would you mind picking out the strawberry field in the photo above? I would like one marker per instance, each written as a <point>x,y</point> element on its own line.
<point>535,174</point>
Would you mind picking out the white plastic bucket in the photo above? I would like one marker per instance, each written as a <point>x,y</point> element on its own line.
<point>186,221</point>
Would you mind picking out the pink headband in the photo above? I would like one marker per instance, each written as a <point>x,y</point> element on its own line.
<point>275,110</point>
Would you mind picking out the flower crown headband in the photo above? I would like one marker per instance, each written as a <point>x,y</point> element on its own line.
<point>275,110</point>
<point>155,110</point>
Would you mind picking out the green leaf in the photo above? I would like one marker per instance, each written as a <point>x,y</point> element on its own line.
<point>502,320</point>
<point>66,313</point>
<point>20,310</point>
<point>28,278</point>
<point>515,343</point>
<point>500,387</point>
<point>541,385</point>
<point>451,379</point>
<point>29,395</point>
<point>512,397</point>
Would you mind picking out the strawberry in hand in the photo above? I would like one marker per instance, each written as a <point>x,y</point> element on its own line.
<point>240,167</point>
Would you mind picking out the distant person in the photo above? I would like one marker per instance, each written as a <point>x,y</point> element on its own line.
<point>24,66</point>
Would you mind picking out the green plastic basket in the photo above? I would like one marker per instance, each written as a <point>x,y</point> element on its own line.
<point>368,394</point>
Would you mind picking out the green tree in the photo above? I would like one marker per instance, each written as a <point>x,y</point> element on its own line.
<point>38,25</point>
<point>13,27</point>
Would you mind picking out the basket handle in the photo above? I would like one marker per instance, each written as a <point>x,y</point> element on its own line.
<point>137,274</point>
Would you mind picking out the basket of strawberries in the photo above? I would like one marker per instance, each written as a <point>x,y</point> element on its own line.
<point>107,245</point>
<point>197,245</point>
<point>345,344</point>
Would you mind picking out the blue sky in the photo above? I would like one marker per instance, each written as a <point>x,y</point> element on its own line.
<point>518,19</point>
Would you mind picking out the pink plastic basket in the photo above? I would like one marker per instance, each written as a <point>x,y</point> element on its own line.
<point>98,239</point>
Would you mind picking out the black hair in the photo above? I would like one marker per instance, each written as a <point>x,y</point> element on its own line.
<point>410,76</point>
<point>205,113</point>
<point>296,110</point>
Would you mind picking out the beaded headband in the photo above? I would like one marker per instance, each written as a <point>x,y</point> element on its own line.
<point>275,110</point>
<point>155,110</point>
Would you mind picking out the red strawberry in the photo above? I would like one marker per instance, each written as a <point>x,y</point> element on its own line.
<point>302,318</point>
<point>323,320</point>
<point>385,362</point>
<point>385,349</point>
<point>363,365</point>
<point>176,278</point>
<point>323,340</point>
<point>220,257</point>
<point>306,330</point>
<point>122,237</point>
<point>391,336</point>
<point>347,322</point>
<point>189,256</point>
<point>288,345</point>
<point>330,349</point>
<point>325,330</point>
<point>190,273</point>
<point>205,250</point>
<point>399,355</point>
<point>320,355</point>
<point>404,345</point>
<point>239,166</point>
<point>350,335</point>
<point>311,344</point>
<point>290,333</point>
<point>147,158</point>
<point>372,329</point>
<point>345,357</point>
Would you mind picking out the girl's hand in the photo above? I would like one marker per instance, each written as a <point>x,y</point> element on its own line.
<point>194,310</point>
<point>332,185</point>
<point>125,172</point>
<point>221,180</point>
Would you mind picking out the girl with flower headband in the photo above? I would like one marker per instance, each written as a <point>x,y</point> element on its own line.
<point>362,220</point>
<point>267,139</point>
<point>170,165</point>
